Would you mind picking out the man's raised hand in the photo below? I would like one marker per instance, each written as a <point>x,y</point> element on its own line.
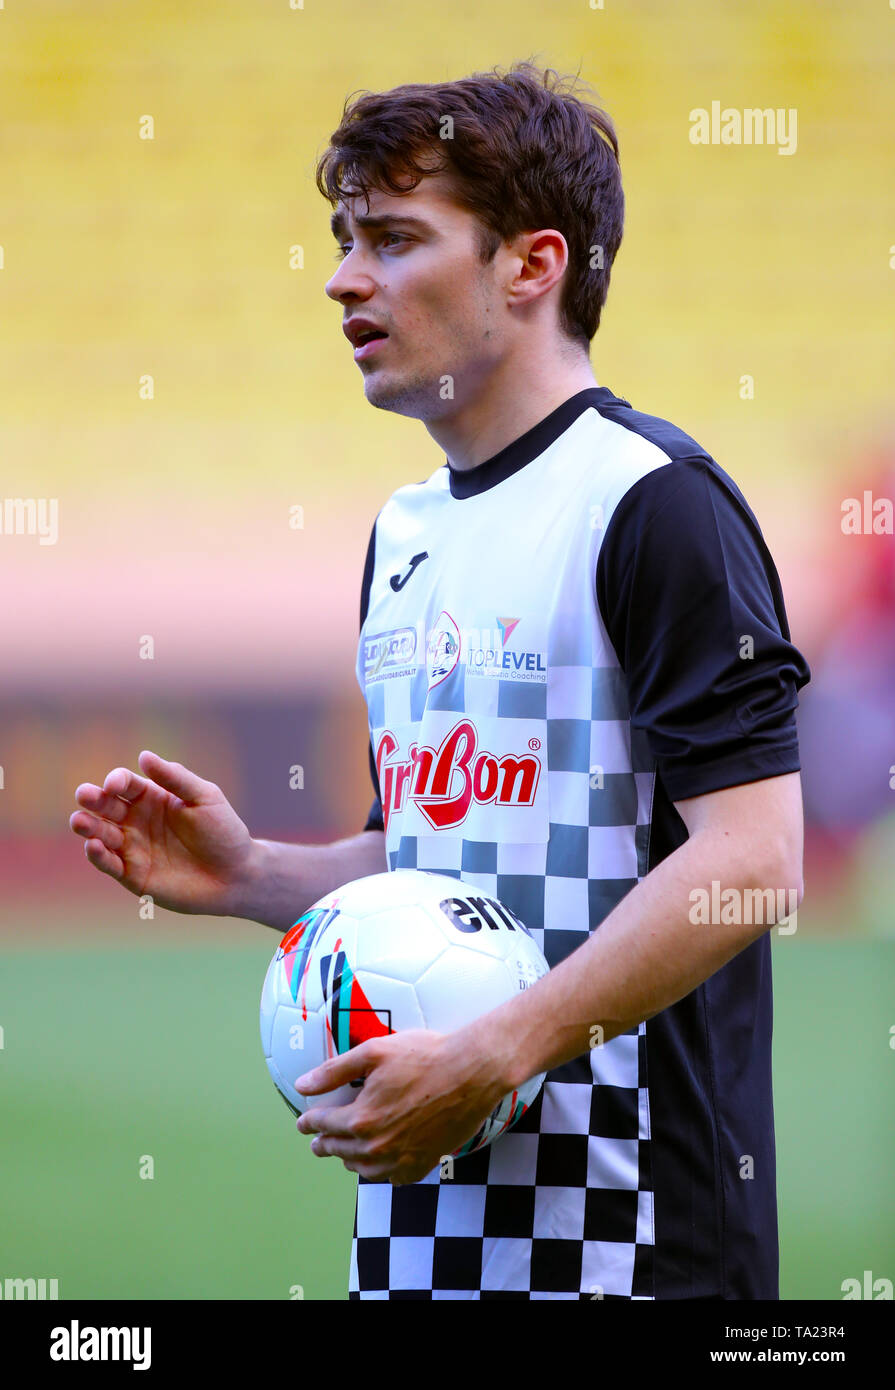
<point>168,833</point>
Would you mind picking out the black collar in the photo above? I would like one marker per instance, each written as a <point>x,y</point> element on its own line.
<point>469,482</point>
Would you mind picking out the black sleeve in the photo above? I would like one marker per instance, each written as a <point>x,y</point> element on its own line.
<point>375,819</point>
<point>684,579</point>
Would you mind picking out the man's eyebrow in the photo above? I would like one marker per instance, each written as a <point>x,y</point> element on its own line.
<point>339,225</point>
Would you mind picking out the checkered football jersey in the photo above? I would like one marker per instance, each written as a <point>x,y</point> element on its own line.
<point>551,655</point>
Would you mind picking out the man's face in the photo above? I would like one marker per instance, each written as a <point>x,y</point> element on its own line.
<point>409,264</point>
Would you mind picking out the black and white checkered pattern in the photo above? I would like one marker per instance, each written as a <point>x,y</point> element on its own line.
<point>560,1207</point>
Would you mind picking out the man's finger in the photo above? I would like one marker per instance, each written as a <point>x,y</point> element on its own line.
<point>337,1071</point>
<point>332,1119</point>
<point>101,803</point>
<point>337,1148</point>
<point>103,859</point>
<point>175,778</point>
<point>352,1158</point>
<point>95,828</point>
<point>127,785</point>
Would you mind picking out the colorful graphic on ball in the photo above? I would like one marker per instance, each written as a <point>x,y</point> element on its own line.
<point>296,948</point>
<point>350,1017</point>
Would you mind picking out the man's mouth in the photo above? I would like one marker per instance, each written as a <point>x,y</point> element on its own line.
<point>367,344</point>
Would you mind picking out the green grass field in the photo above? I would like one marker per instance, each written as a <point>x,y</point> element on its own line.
<point>110,1055</point>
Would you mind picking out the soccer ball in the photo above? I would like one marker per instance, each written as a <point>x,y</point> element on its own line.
<point>406,949</point>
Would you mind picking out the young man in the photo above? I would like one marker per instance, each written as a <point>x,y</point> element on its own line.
<point>581,693</point>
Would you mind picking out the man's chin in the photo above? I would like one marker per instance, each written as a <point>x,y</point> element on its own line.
<point>400,397</point>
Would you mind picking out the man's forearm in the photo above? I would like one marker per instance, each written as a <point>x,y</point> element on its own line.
<point>645,956</point>
<point>283,879</point>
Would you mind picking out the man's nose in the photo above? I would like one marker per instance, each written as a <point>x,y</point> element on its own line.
<point>348,280</point>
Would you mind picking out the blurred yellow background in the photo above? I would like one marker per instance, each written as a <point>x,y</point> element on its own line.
<point>171,258</point>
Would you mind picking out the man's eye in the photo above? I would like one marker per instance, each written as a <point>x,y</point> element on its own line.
<point>386,236</point>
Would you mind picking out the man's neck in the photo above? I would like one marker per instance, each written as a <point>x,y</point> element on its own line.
<point>512,403</point>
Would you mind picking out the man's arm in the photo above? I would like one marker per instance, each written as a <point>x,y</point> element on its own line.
<point>425,1093</point>
<point>282,879</point>
<point>649,952</point>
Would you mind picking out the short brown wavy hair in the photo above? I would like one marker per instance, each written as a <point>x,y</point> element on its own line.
<point>525,151</point>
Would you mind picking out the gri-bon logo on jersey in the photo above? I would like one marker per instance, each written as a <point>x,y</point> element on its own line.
<point>444,782</point>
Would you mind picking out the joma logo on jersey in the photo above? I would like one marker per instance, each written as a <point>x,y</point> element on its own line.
<point>445,781</point>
